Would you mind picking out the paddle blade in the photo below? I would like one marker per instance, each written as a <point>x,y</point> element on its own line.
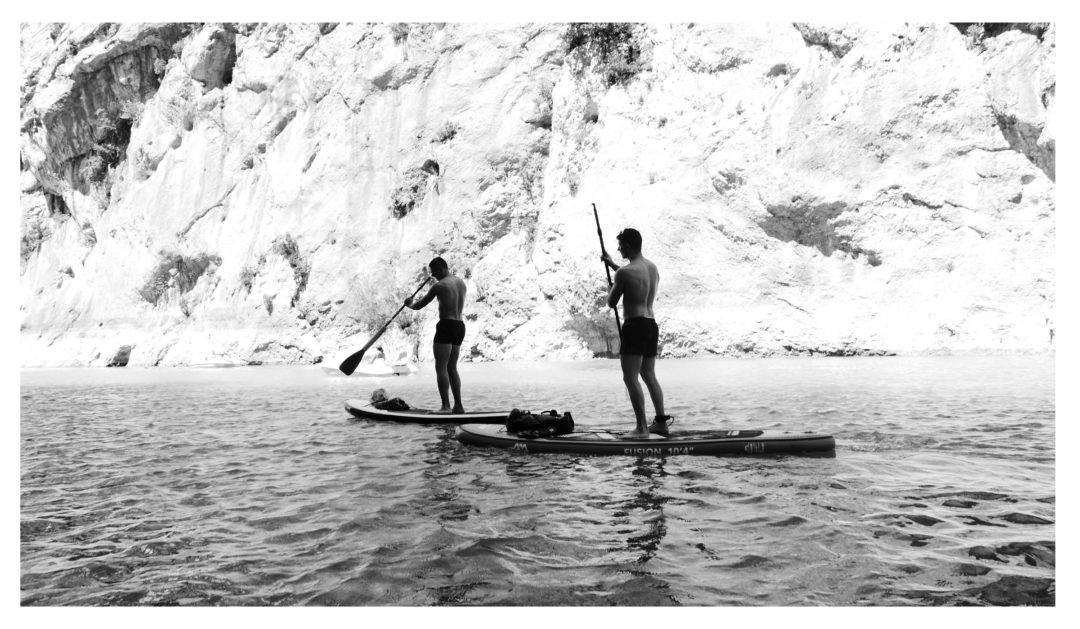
<point>349,365</point>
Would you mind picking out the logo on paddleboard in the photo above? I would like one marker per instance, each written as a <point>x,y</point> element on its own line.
<point>664,450</point>
<point>521,447</point>
<point>754,447</point>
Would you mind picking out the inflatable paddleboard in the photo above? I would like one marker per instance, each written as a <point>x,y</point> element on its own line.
<point>365,410</point>
<point>703,442</point>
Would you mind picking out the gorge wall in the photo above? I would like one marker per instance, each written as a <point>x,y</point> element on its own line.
<point>260,193</point>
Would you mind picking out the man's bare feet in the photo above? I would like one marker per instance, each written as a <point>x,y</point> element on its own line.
<point>636,434</point>
<point>443,411</point>
<point>459,410</point>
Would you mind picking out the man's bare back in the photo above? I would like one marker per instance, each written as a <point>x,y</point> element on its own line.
<point>636,282</point>
<point>451,293</point>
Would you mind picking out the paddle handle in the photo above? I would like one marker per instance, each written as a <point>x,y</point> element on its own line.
<point>607,269</point>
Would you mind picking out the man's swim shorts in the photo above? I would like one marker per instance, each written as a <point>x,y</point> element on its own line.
<point>639,337</point>
<point>450,331</point>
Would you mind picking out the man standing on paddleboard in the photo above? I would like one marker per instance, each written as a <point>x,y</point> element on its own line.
<point>636,283</point>
<point>449,332</point>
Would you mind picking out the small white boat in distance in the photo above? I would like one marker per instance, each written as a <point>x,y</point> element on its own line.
<point>375,370</point>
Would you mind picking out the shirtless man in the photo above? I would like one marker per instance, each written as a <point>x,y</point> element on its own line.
<point>635,283</point>
<point>449,332</point>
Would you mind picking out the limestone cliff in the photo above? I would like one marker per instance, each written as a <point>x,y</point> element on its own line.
<point>271,192</point>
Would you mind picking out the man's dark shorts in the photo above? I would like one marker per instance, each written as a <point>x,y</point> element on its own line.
<point>639,337</point>
<point>450,331</point>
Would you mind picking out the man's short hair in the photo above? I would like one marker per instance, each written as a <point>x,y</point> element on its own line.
<point>631,237</point>
<point>437,263</point>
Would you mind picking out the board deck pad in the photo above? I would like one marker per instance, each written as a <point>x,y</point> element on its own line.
<point>364,410</point>
<point>701,442</point>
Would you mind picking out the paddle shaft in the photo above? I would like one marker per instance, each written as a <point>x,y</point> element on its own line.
<point>383,329</point>
<point>607,269</point>
<point>349,364</point>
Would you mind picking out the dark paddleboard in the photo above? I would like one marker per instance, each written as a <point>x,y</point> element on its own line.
<point>365,410</point>
<point>702,442</point>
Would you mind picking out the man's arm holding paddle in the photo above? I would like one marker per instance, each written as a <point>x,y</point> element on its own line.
<point>426,299</point>
<point>618,286</point>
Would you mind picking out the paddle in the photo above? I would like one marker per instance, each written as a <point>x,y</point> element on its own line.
<point>350,364</point>
<point>618,324</point>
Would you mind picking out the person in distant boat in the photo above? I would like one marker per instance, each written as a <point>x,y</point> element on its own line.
<point>635,284</point>
<point>449,332</point>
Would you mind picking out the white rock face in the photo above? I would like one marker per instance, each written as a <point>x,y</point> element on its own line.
<point>272,192</point>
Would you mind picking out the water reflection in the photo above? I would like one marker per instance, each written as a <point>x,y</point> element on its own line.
<point>442,496</point>
<point>650,502</point>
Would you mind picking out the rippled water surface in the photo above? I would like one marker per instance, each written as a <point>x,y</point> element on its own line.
<point>253,486</point>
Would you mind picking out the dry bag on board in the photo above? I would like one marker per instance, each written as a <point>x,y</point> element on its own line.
<point>544,424</point>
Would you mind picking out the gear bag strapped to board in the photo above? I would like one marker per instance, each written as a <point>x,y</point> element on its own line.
<point>544,424</point>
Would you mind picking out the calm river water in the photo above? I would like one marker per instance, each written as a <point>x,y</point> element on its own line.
<point>253,486</point>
